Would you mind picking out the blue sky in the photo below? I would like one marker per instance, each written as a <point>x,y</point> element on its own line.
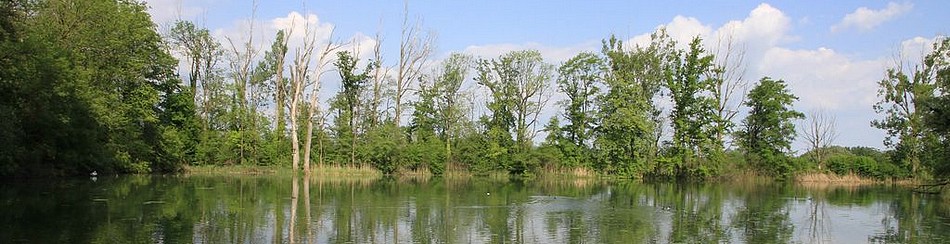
<point>831,53</point>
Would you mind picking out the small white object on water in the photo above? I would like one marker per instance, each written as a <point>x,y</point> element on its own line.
<point>488,194</point>
<point>94,173</point>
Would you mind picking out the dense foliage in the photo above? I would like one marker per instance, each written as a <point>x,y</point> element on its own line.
<point>102,94</point>
<point>915,105</point>
<point>81,94</point>
<point>768,131</point>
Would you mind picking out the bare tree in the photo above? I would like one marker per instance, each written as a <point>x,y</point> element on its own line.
<point>322,61</point>
<point>729,83</point>
<point>819,131</point>
<point>379,78</point>
<point>299,70</point>
<point>415,47</point>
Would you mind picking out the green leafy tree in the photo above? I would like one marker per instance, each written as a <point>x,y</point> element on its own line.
<point>347,101</point>
<point>199,48</point>
<point>628,132</point>
<point>915,108</point>
<point>271,72</point>
<point>518,82</point>
<point>578,79</point>
<point>422,127</point>
<point>693,115</point>
<point>936,109</point>
<point>86,94</point>
<point>437,114</point>
<point>768,130</point>
<point>449,100</point>
<point>901,96</point>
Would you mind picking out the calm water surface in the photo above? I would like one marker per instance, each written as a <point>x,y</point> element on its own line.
<point>282,209</point>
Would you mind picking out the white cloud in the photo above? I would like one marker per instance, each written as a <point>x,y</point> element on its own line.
<point>298,25</point>
<point>913,49</point>
<point>765,27</point>
<point>823,78</point>
<point>681,29</point>
<point>865,19</point>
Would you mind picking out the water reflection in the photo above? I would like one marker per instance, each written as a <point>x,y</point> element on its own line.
<point>297,209</point>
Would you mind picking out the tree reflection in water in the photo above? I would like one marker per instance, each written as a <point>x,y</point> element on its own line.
<point>255,209</point>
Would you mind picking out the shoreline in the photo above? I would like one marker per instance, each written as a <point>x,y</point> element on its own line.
<point>363,171</point>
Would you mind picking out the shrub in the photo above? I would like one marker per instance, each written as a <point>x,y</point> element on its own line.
<point>864,166</point>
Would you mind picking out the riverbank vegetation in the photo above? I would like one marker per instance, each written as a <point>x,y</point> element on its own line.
<point>105,94</point>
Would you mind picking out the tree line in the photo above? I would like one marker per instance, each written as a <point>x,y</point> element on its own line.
<point>103,94</point>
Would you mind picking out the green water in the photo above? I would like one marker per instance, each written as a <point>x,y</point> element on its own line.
<point>280,209</point>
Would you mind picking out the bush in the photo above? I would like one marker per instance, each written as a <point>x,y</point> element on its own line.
<point>839,164</point>
<point>864,166</point>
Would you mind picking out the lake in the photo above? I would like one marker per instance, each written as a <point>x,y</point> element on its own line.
<point>282,209</point>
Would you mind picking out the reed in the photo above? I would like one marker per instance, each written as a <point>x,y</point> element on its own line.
<point>360,170</point>
<point>568,172</point>
<point>819,178</point>
<point>321,171</point>
<point>232,170</point>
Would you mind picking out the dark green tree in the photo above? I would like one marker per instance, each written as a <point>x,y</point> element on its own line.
<point>693,116</point>
<point>629,122</point>
<point>347,101</point>
<point>767,132</point>
<point>271,72</point>
<point>935,109</point>
<point>579,78</point>
<point>85,94</point>
<point>424,142</point>
<point>902,95</point>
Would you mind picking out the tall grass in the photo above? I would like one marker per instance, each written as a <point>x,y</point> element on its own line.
<point>567,172</point>
<point>829,178</point>
<point>322,171</point>
<point>233,170</point>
